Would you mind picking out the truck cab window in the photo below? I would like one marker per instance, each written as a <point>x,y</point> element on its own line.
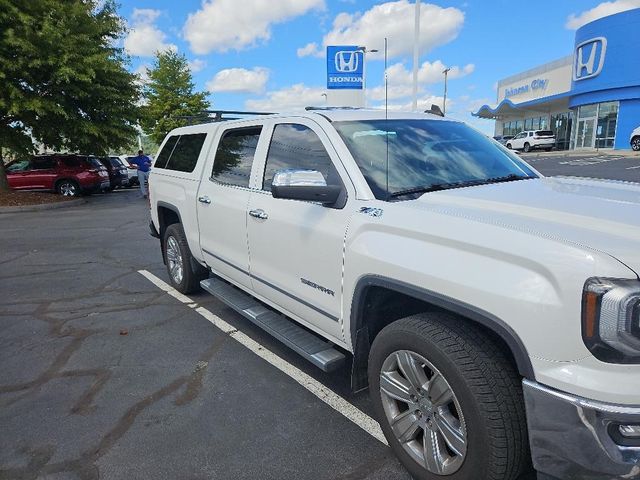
<point>234,157</point>
<point>297,146</point>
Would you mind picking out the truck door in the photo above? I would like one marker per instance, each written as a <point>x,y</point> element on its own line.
<point>223,198</point>
<point>296,247</point>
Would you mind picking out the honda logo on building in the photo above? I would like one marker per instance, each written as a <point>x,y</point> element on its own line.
<point>346,61</point>
<point>589,58</point>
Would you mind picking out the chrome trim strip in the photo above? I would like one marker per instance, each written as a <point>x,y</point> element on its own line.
<point>278,289</point>
<point>583,402</point>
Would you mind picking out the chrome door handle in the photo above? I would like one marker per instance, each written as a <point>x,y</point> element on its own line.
<point>204,199</point>
<point>259,213</point>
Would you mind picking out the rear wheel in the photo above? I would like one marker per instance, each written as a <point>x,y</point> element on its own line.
<point>635,144</point>
<point>527,147</point>
<point>68,188</point>
<point>185,273</point>
<point>448,400</point>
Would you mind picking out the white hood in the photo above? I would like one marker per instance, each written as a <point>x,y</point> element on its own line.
<point>598,214</point>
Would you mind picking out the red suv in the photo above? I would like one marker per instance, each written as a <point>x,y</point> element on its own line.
<point>69,175</point>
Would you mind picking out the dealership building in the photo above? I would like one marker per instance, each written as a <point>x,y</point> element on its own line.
<point>589,99</point>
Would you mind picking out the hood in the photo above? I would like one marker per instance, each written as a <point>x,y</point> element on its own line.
<point>601,215</point>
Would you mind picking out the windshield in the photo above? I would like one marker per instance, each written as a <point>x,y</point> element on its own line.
<point>426,155</point>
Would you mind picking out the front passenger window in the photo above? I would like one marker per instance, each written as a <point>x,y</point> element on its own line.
<point>297,146</point>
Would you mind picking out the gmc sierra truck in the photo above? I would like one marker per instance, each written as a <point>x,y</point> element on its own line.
<point>493,313</point>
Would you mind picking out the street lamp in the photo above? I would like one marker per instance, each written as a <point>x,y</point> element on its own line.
<point>364,51</point>
<point>444,103</point>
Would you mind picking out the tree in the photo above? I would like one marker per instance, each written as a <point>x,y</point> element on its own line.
<point>63,79</point>
<point>169,94</point>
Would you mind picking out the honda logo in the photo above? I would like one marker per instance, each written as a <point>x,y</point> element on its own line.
<point>346,61</point>
<point>589,58</point>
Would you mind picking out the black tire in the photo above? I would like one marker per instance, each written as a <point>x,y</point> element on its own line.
<point>509,146</point>
<point>635,144</point>
<point>548,149</point>
<point>484,382</point>
<point>192,271</point>
<point>527,147</point>
<point>68,188</point>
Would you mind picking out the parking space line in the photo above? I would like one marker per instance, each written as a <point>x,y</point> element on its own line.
<point>631,168</point>
<point>328,396</point>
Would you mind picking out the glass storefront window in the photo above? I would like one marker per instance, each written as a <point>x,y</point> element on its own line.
<point>588,111</point>
<point>561,127</point>
<point>607,120</point>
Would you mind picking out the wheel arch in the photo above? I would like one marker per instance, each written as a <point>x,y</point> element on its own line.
<point>168,214</point>
<point>374,290</point>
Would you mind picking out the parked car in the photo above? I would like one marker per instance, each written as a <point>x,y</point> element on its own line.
<point>492,312</point>
<point>531,140</point>
<point>503,139</point>
<point>68,175</point>
<point>118,176</point>
<point>634,139</point>
<point>132,173</point>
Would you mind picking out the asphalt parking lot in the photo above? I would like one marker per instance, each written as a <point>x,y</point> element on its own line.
<point>105,375</point>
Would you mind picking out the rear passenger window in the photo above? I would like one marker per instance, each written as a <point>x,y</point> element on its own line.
<point>43,163</point>
<point>297,146</point>
<point>165,153</point>
<point>186,152</point>
<point>234,157</point>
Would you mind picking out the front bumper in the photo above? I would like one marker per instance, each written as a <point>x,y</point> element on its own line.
<point>571,437</point>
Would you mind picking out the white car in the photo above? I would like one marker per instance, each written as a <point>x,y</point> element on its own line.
<point>493,313</point>
<point>532,139</point>
<point>634,139</point>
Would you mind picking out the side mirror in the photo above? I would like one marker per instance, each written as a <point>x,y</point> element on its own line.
<point>308,185</point>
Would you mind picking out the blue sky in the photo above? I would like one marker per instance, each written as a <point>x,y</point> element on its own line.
<point>269,54</point>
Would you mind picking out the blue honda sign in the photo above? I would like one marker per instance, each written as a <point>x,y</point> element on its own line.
<point>345,67</point>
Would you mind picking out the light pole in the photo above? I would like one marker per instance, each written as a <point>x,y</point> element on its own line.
<point>444,103</point>
<point>364,51</point>
<point>416,56</point>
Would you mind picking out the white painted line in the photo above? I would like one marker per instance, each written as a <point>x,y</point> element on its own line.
<point>631,168</point>
<point>335,401</point>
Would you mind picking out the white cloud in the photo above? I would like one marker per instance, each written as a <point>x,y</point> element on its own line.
<point>602,10</point>
<point>400,79</point>
<point>145,38</point>
<point>309,49</point>
<point>141,72</point>
<point>290,98</point>
<point>222,25</point>
<point>395,20</point>
<point>197,65</point>
<point>239,80</point>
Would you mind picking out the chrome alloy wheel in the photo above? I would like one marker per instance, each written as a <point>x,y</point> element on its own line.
<point>423,412</point>
<point>174,257</point>
<point>635,144</point>
<point>68,189</point>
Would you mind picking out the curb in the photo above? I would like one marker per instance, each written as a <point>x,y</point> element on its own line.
<point>44,206</point>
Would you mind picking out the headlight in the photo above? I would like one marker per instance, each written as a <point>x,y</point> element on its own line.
<point>611,319</point>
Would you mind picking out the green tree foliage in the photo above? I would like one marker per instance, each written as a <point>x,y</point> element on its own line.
<point>63,79</point>
<point>170,98</point>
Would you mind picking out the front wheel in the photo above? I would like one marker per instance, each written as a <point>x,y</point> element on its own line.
<point>185,273</point>
<point>509,146</point>
<point>635,144</point>
<point>448,400</point>
<point>68,188</point>
<point>527,147</point>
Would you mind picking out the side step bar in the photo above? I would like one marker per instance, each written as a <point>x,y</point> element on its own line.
<point>312,347</point>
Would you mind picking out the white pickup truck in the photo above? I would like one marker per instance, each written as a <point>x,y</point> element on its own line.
<point>493,313</point>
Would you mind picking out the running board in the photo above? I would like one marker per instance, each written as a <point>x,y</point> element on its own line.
<point>311,346</point>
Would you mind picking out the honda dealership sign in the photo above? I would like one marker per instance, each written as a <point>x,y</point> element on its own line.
<point>345,67</point>
<point>589,58</point>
